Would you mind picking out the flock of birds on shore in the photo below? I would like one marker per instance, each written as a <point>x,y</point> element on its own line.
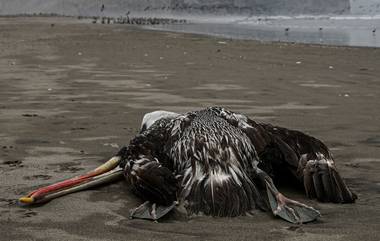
<point>137,20</point>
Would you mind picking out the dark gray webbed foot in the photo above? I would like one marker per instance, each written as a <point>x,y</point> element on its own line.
<point>286,208</point>
<point>291,210</point>
<point>151,211</point>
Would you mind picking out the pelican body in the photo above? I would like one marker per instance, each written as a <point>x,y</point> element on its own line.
<point>215,162</point>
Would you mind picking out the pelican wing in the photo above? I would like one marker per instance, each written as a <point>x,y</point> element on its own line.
<point>315,166</point>
<point>285,152</point>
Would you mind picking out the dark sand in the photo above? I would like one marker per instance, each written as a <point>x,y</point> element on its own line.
<point>72,93</point>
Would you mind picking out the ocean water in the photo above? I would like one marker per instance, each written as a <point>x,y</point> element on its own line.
<point>341,30</point>
<point>333,22</point>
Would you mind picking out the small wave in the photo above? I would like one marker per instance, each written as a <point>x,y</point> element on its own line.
<point>256,19</point>
<point>356,17</point>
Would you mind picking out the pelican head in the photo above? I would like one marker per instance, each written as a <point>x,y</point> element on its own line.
<point>151,117</point>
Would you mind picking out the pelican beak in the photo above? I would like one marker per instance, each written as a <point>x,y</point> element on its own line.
<point>105,173</point>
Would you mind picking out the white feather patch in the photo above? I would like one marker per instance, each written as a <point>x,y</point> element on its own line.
<point>151,117</point>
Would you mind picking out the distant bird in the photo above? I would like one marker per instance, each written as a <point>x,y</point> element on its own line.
<point>374,31</point>
<point>216,162</point>
<point>320,29</point>
<point>287,32</point>
<point>102,8</point>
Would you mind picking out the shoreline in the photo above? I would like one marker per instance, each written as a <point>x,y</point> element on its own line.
<point>233,30</point>
<point>265,33</point>
<point>71,94</point>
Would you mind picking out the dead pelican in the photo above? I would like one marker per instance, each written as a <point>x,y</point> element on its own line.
<point>216,162</point>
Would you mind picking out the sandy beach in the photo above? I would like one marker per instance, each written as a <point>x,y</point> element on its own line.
<point>72,93</point>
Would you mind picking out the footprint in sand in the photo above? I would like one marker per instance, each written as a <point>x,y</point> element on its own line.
<point>13,163</point>
<point>78,128</point>
<point>7,202</point>
<point>29,115</point>
<point>69,167</point>
<point>27,213</point>
<point>34,177</point>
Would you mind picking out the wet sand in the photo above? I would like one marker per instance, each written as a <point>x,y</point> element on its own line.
<point>72,93</point>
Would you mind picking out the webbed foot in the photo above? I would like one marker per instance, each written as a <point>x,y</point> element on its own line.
<point>151,211</point>
<point>291,210</point>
